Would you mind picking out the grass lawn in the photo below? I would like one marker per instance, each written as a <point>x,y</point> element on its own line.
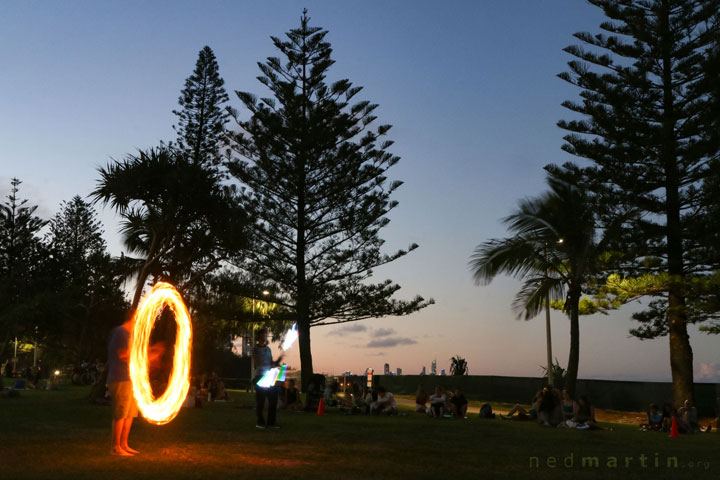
<point>49,435</point>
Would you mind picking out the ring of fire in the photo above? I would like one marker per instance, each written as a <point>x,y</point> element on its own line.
<point>163,409</point>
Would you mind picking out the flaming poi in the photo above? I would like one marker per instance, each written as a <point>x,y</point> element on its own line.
<point>163,409</point>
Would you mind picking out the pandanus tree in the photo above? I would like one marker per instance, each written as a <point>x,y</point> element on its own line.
<point>458,366</point>
<point>178,218</point>
<point>554,249</point>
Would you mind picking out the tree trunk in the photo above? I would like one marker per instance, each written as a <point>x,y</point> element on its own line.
<point>306,365</point>
<point>139,288</point>
<point>574,357</point>
<point>145,272</point>
<point>681,356</point>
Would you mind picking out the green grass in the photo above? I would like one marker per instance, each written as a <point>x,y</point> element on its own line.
<point>58,435</point>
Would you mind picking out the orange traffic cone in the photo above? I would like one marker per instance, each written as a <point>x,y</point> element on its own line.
<point>321,407</point>
<point>674,429</point>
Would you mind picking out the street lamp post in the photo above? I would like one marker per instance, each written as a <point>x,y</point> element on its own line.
<point>548,335</point>
<point>252,359</point>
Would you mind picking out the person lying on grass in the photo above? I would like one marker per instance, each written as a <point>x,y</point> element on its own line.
<point>522,414</point>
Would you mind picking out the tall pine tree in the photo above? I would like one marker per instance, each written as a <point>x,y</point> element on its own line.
<point>202,117</point>
<point>21,262</point>
<point>648,132</point>
<point>316,185</point>
<point>86,281</point>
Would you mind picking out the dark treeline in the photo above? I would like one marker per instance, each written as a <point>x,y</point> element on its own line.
<point>273,221</point>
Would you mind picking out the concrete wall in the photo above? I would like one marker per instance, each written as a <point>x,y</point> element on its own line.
<point>608,394</point>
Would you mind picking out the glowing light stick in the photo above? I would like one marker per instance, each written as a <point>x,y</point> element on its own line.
<point>290,338</point>
<point>272,376</point>
<point>163,409</point>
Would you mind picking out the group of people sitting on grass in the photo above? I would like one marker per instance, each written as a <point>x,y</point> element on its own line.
<point>441,404</point>
<point>358,400</point>
<point>557,409</point>
<point>208,388</point>
<point>686,418</point>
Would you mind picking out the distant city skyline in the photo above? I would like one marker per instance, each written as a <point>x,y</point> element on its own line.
<point>470,88</point>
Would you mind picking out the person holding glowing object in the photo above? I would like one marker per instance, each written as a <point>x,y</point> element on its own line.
<point>262,357</point>
<point>120,386</point>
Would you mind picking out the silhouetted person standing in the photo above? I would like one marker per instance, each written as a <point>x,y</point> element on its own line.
<point>121,390</point>
<point>262,357</point>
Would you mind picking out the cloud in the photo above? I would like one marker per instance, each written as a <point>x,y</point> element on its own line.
<point>708,372</point>
<point>383,332</point>
<point>348,330</point>
<point>390,342</point>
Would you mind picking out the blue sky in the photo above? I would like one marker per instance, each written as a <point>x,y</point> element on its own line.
<point>472,92</point>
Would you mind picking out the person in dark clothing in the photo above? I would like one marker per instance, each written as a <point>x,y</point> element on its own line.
<point>461,404</point>
<point>262,357</point>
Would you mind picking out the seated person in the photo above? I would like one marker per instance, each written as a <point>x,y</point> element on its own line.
<point>421,398</point>
<point>654,419</point>
<point>688,418</point>
<point>359,405</point>
<point>221,395</point>
<point>437,403</point>
<point>568,405</point>
<point>668,413</point>
<point>212,385</point>
<point>522,414</point>
<point>346,401</point>
<point>385,403</point>
<point>330,394</point>
<point>549,411</point>
<point>460,403</point>
<point>370,398</point>
<point>585,414</point>
<point>292,396</point>
<point>190,399</point>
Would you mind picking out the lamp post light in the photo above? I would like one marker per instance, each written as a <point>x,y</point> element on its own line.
<point>548,335</point>
<point>252,359</point>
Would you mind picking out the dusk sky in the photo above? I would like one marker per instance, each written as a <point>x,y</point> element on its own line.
<point>469,86</point>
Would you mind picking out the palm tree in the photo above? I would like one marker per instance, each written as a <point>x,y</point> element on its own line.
<point>177,217</point>
<point>554,250</point>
